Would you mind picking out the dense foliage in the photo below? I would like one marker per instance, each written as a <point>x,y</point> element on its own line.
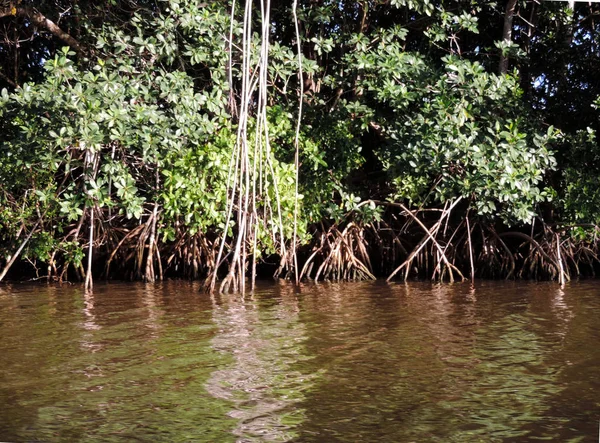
<point>119,126</point>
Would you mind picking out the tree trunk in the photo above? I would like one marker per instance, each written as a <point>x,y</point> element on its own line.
<point>526,80</point>
<point>509,15</point>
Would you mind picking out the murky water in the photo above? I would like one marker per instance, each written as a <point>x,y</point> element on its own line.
<point>504,362</point>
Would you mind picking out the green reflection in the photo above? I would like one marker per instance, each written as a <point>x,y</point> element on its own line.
<point>113,368</point>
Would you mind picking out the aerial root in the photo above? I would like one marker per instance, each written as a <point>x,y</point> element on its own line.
<point>344,256</point>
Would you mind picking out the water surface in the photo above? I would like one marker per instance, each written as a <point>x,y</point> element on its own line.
<point>500,362</point>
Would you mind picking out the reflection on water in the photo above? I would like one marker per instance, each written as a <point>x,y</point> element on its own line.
<point>498,362</point>
<point>266,340</point>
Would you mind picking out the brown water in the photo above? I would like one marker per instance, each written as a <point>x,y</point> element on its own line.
<point>504,362</point>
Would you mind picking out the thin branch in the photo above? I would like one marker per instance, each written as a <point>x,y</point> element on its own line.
<point>44,22</point>
<point>18,252</point>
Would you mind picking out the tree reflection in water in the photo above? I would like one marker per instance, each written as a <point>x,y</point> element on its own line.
<point>500,362</point>
<point>264,382</point>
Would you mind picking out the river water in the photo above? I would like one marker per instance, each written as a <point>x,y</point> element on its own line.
<point>363,362</point>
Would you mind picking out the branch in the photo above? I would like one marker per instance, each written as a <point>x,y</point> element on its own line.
<point>8,80</point>
<point>42,21</point>
<point>18,252</point>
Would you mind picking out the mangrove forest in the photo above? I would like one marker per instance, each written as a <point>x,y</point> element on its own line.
<point>226,140</point>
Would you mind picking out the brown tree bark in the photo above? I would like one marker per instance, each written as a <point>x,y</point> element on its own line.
<point>509,16</point>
